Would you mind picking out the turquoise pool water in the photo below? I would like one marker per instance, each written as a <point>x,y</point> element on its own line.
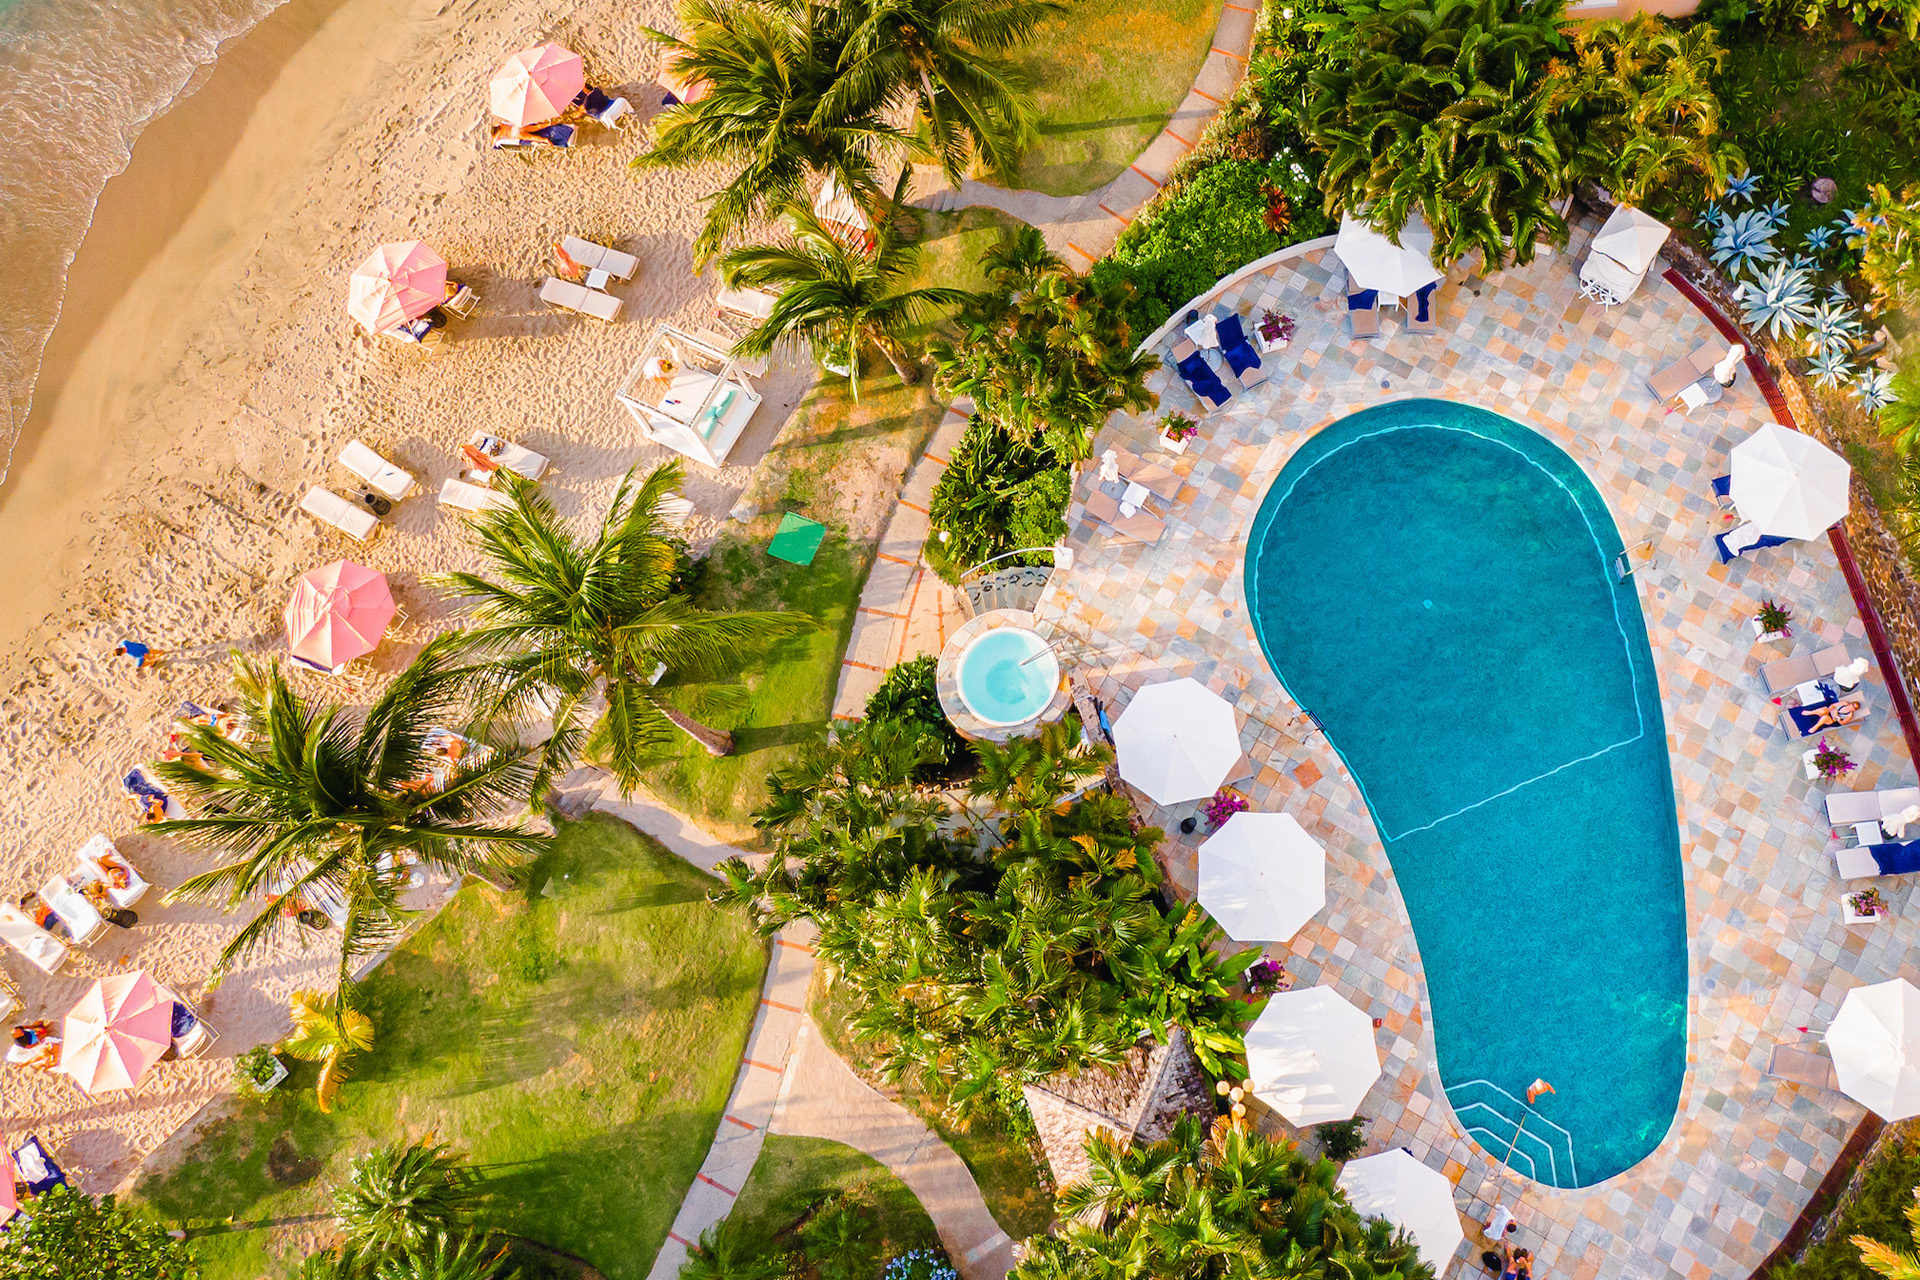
<point>1434,582</point>
<point>999,684</point>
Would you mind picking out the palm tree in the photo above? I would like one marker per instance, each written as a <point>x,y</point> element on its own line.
<point>939,53</point>
<point>402,1195</point>
<point>1884,1259</point>
<point>835,297</point>
<point>328,1030</point>
<point>323,806</point>
<point>445,1255</point>
<point>769,70</point>
<point>577,629</point>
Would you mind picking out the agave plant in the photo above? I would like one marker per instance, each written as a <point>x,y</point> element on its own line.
<point>1779,300</point>
<point>1803,262</point>
<point>1744,242</point>
<point>1709,217</point>
<point>1835,329</point>
<point>1874,390</point>
<point>1777,213</point>
<point>1830,369</point>
<point>1819,239</point>
<point>1837,292</point>
<point>401,1194</point>
<point>1744,187</point>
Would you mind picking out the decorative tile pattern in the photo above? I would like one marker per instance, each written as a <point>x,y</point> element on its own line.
<point>1767,951</point>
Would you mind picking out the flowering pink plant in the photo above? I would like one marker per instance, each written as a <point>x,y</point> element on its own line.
<point>1263,976</point>
<point>1831,762</point>
<point>1179,426</point>
<point>1225,803</point>
<point>1867,902</point>
<point>1275,327</point>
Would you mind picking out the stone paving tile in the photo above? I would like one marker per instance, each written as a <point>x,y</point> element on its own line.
<point>1767,951</point>
<point>1219,75</point>
<point>887,585</point>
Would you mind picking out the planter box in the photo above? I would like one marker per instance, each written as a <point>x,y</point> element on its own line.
<point>1269,346</point>
<point>1175,446</point>
<point>1855,917</point>
<point>273,1081</point>
<point>1764,636</point>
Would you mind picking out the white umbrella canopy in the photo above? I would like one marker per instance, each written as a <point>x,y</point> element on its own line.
<point>1631,238</point>
<point>1375,262</point>
<point>1262,877</point>
<point>1875,1043</point>
<point>1177,741</point>
<point>1788,483</point>
<point>1395,1186</point>
<point>1311,1056</point>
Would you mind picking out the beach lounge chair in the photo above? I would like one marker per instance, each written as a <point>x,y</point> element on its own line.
<point>1241,357</point>
<point>83,921</point>
<point>1681,374</point>
<point>1802,1066</point>
<point>463,301</point>
<point>34,1164</point>
<point>1363,313</point>
<point>192,1036</point>
<point>99,849</point>
<point>1198,374</point>
<point>1806,719</point>
<point>1420,316</point>
<point>569,296</point>
<point>1888,858</point>
<point>608,111</point>
<point>552,135</point>
<point>141,788</point>
<point>752,305</point>
<point>755,366</point>
<point>1736,542</point>
<point>515,458</point>
<point>1783,674</point>
<point>462,496</point>
<point>377,471</point>
<point>597,257</point>
<point>1723,493</point>
<point>1161,481</point>
<point>41,949</point>
<point>1142,526</point>
<point>349,518</point>
<point>1844,808</point>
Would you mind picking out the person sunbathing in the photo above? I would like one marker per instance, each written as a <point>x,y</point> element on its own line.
<point>154,810</point>
<point>96,893</point>
<point>113,873</point>
<point>43,916</point>
<point>1838,715</point>
<point>35,1044</point>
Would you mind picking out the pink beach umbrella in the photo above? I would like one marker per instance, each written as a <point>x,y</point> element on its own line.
<point>9,1197</point>
<point>118,1030</point>
<point>536,85</point>
<point>338,613</point>
<point>397,283</point>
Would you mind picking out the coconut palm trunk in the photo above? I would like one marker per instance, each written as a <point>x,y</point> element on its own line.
<point>718,742</point>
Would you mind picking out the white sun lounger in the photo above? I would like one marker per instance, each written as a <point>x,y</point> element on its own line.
<point>515,458</point>
<point>597,257</point>
<point>1844,808</point>
<point>462,496</point>
<point>30,940</point>
<point>377,471</point>
<point>749,304</point>
<point>198,1037</point>
<point>72,906</point>
<point>1783,674</point>
<point>324,504</point>
<point>100,849</point>
<point>569,296</point>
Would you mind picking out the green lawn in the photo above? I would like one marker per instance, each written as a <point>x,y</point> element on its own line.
<point>579,1038</point>
<point>1106,77</point>
<point>794,1176</point>
<point>951,245</point>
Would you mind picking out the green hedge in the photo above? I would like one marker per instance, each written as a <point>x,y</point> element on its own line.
<point>1878,1212</point>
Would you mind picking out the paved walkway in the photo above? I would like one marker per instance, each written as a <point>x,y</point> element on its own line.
<point>1082,228</point>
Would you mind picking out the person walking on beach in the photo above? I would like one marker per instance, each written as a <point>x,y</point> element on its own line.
<point>143,656</point>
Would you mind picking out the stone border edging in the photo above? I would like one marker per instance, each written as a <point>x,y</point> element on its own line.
<point>1273,259</point>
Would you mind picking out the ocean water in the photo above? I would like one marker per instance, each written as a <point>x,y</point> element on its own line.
<point>1435,583</point>
<point>79,80</point>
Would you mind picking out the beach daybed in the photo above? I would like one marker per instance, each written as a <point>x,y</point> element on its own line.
<point>1783,674</point>
<point>597,257</point>
<point>1802,1066</point>
<point>329,507</point>
<point>462,496</point>
<point>89,857</point>
<point>1736,542</point>
<point>689,395</point>
<point>41,949</point>
<point>568,296</point>
<point>82,919</point>
<point>1683,373</point>
<point>1363,313</point>
<point>377,471</point>
<point>1421,317</point>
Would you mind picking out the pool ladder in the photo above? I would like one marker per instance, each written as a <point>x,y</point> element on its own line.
<point>1514,1133</point>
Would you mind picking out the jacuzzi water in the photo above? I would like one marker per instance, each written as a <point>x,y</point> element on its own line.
<point>1436,584</point>
<point>997,682</point>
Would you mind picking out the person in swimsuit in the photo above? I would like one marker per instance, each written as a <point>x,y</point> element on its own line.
<point>1515,1264</point>
<point>1836,716</point>
<point>42,915</point>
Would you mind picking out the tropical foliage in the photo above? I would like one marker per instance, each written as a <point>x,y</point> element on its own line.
<point>1224,1202</point>
<point>327,1029</point>
<point>998,496</point>
<point>327,803</point>
<point>72,1236</point>
<point>979,956</point>
<point>1887,237</point>
<point>576,630</point>
<point>908,697</point>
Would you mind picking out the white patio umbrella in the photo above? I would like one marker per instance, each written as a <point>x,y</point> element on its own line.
<point>1395,1186</point>
<point>1177,741</point>
<point>1375,262</point>
<point>1631,238</point>
<point>1262,877</point>
<point>1311,1056</point>
<point>1875,1043</point>
<point>1788,483</point>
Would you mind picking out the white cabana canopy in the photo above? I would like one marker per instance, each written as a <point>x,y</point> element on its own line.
<point>1311,1056</point>
<point>1631,238</point>
<point>1395,1186</point>
<point>684,393</point>
<point>1788,483</point>
<point>1177,741</point>
<point>1875,1043</point>
<point>1375,262</point>
<point>1262,877</point>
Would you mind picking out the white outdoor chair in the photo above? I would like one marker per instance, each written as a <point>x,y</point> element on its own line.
<point>82,917</point>
<point>569,296</point>
<point>377,471</point>
<point>40,948</point>
<point>325,505</point>
<point>100,849</point>
<point>462,496</point>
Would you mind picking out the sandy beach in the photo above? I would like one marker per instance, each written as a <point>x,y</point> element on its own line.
<point>205,373</point>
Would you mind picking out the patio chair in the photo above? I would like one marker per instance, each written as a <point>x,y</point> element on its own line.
<point>99,850</point>
<point>1421,318</point>
<point>1844,808</point>
<point>1806,721</point>
<point>1888,858</point>
<point>34,1163</point>
<point>515,458</point>
<point>598,257</point>
<point>376,470</point>
<point>1723,494</point>
<point>82,919</point>
<point>1736,542</point>
<point>463,301</point>
<point>606,110</point>
<point>330,508</point>
<point>1363,313</point>
<point>1198,374</point>
<point>1783,674</point>
<point>1802,1066</point>
<point>1242,359</point>
<point>568,296</point>
<point>192,1036</point>
<point>1683,373</point>
<point>462,496</point>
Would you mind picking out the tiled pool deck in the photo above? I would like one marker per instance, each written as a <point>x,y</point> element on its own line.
<point>1767,950</point>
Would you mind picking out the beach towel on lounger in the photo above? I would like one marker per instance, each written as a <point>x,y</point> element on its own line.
<point>1896,859</point>
<point>1203,381</point>
<point>1234,345</point>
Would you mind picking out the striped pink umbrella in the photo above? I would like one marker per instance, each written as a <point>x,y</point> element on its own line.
<point>118,1030</point>
<point>536,85</point>
<point>338,613</point>
<point>397,283</point>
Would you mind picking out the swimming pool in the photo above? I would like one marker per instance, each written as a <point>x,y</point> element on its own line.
<point>1435,583</point>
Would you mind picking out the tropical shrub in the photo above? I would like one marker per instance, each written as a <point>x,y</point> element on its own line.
<point>996,496</point>
<point>72,1236</point>
<point>1900,421</point>
<point>1876,1212</point>
<point>1342,1139</point>
<point>401,1196</point>
<point>1887,236</point>
<point>907,697</point>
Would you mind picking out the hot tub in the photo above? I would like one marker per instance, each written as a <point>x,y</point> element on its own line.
<point>1007,676</point>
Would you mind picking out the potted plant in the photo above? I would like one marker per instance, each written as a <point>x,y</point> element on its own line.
<point>1864,905</point>
<point>1225,803</point>
<point>1264,977</point>
<point>257,1071</point>
<point>1771,623</point>
<point>1176,429</point>
<point>1276,330</point>
<point>1828,762</point>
